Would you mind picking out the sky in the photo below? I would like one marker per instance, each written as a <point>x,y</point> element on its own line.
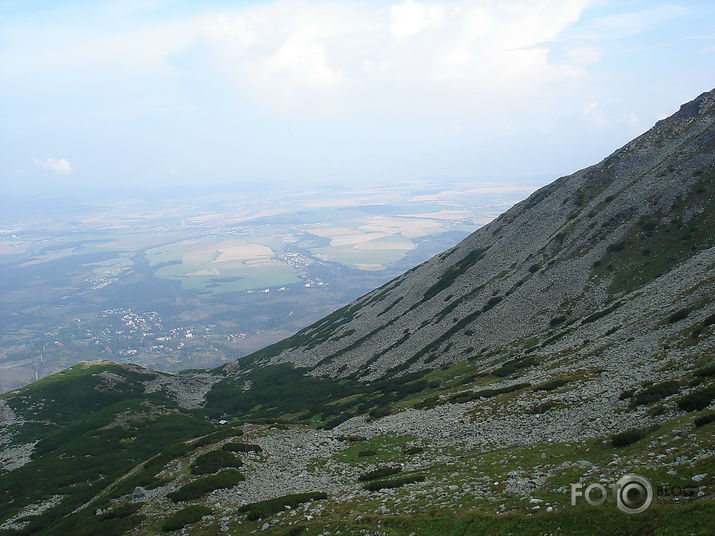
<point>130,95</point>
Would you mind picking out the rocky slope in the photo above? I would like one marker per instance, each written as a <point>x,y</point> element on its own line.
<point>570,340</point>
<point>613,233</point>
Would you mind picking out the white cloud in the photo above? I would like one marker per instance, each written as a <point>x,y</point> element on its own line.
<point>410,18</point>
<point>60,166</point>
<point>338,56</point>
<point>411,54</point>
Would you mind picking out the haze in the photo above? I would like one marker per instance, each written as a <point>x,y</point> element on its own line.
<point>109,96</point>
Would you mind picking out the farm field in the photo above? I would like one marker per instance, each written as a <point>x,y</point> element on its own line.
<point>196,281</point>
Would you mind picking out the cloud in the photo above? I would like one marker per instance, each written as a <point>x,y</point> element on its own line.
<point>333,56</point>
<point>410,18</point>
<point>329,55</point>
<point>60,166</point>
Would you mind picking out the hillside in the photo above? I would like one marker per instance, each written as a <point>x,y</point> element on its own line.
<point>571,339</point>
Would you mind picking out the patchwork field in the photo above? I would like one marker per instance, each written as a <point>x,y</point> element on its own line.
<point>199,280</point>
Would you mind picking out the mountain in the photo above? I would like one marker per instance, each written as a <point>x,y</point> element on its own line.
<point>569,341</point>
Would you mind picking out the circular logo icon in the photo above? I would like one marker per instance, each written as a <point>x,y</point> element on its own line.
<point>634,494</point>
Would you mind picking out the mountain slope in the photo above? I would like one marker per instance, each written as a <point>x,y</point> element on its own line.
<point>570,340</point>
<point>588,241</point>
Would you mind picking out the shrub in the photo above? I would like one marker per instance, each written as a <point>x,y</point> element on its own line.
<point>427,403</point>
<point>626,394</point>
<point>600,314</point>
<point>705,418</point>
<point>628,437</point>
<point>214,461</point>
<point>697,400</point>
<point>709,321</point>
<point>708,370</point>
<point>678,316</point>
<point>534,268</point>
<point>510,367</point>
<point>337,421</point>
<point>351,438</point>
<point>551,384</point>
<point>202,486</point>
<point>557,320</point>
<point>491,302</point>
<point>380,411</point>
<point>393,483</point>
<point>295,531</point>
<point>380,472</point>
<point>185,516</point>
<point>411,451</point>
<point>242,447</point>
<point>542,408</point>
<point>656,392</point>
<point>269,507</point>
<point>366,453</point>
<point>225,432</point>
<point>618,246</point>
<point>122,511</point>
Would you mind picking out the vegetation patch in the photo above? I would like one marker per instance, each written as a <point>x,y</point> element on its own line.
<point>259,510</point>
<point>202,486</point>
<point>467,396</point>
<point>706,371</point>
<point>242,447</point>
<point>122,511</point>
<point>629,437</point>
<point>393,483</point>
<point>677,316</point>
<point>697,400</point>
<point>454,271</point>
<point>185,516</point>
<point>655,393</point>
<point>515,365</point>
<point>380,472</point>
<point>705,418</point>
<point>214,461</point>
<point>552,385</point>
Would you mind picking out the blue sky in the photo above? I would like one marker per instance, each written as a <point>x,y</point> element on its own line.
<point>125,95</point>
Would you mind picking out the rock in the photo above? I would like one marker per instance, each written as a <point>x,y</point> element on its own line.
<point>700,477</point>
<point>139,493</point>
